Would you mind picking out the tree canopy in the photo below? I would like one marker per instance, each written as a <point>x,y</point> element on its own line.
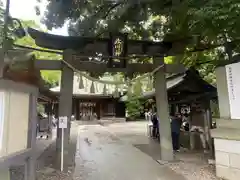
<point>208,18</point>
<point>51,77</point>
<point>1,20</point>
<point>207,22</point>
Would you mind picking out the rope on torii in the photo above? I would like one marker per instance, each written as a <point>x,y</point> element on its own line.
<point>117,84</point>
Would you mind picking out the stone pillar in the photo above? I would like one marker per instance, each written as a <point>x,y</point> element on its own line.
<point>65,109</point>
<point>227,134</point>
<point>30,165</point>
<point>163,113</point>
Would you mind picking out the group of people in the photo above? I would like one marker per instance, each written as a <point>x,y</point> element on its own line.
<point>176,125</point>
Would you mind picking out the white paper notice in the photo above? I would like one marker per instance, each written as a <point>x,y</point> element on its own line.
<point>233,81</point>
<point>63,122</point>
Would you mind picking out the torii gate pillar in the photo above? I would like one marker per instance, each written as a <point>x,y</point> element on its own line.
<point>163,112</point>
<point>227,134</point>
<point>65,109</point>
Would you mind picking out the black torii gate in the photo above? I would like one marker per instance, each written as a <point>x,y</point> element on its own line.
<point>113,52</point>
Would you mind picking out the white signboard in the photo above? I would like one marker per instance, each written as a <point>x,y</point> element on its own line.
<point>233,82</point>
<point>63,121</point>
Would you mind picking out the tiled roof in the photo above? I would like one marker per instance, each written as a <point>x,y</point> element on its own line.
<point>171,82</point>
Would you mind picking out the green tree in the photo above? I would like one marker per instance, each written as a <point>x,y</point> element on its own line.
<point>1,21</point>
<point>208,19</point>
<point>208,22</point>
<point>134,105</point>
<point>51,77</point>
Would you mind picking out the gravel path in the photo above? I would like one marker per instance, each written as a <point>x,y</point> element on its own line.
<point>193,166</point>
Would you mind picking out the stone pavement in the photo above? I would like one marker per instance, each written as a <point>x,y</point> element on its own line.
<point>114,151</point>
<point>191,165</point>
<point>101,155</point>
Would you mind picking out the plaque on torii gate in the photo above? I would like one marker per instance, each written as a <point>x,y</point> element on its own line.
<point>117,51</point>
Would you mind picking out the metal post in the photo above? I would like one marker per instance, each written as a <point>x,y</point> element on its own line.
<point>62,150</point>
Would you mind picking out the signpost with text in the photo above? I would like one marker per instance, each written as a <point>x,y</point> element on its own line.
<point>62,125</point>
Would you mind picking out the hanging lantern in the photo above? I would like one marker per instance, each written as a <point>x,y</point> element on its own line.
<point>81,85</point>
<point>92,89</point>
<point>104,90</point>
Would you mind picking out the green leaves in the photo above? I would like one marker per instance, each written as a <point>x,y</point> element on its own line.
<point>1,22</point>
<point>211,21</point>
<point>134,106</point>
<point>51,77</point>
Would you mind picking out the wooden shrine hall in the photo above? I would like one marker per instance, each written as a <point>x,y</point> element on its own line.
<point>112,54</point>
<point>89,105</point>
<point>186,91</point>
<point>186,87</point>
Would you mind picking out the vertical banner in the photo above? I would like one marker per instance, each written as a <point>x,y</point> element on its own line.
<point>233,83</point>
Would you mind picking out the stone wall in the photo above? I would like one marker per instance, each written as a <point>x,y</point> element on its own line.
<point>227,153</point>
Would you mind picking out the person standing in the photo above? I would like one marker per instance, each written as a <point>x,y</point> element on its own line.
<point>176,122</point>
<point>148,118</point>
<point>147,114</point>
<point>155,125</point>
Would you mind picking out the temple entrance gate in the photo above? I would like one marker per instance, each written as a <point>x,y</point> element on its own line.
<point>99,55</point>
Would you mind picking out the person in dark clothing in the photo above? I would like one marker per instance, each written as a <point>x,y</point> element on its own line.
<point>155,123</point>
<point>176,122</point>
